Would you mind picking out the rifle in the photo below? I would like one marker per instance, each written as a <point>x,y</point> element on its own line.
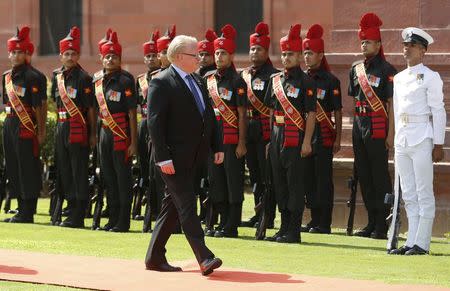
<point>138,195</point>
<point>91,183</point>
<point>394,217</point>
<point>2,183</point>
<point>150,191</point>
<point>50,176</point>
<point>351,203</point>
<point>97,199</point>
<point>263,208</point>
<point>58,196</point>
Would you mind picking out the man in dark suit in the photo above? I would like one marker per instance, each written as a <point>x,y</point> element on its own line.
<point>183,129</point>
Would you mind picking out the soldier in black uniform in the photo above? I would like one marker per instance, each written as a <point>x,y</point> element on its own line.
<point>329,102</point>
<point>153,64</point>
<point>257,78</point>
<point>205,54</point>
<point>228,93</point>
<point>117,101</point>
<point>373,127</point>
<point>292,96</point>
<point>73,93</point>
<point>24,127</point>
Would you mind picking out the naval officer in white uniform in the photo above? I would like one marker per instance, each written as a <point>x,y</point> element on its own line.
<point>420,121</point>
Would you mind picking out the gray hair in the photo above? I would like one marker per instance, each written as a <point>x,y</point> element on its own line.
<point>178,44</point>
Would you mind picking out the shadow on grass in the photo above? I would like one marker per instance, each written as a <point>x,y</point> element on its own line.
<point>249,277</point>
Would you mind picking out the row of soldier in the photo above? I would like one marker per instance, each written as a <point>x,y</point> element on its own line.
<point>283,124</point>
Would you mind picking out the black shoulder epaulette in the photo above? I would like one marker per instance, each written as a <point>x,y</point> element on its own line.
<point>209,73</point>
<point>97,75</point>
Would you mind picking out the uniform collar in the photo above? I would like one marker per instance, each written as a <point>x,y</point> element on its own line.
<point>264,67</point>
<point>19,69</point>
<point>415,68</point>
<point>114,75</point>
<point>293,73</point>
<point>224,73</point>
<point>373,61</point>
<point>316,73</point>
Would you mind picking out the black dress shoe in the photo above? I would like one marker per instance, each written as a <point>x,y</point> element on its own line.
<point>208,265</point>
<point>274,237</point>
<point>71,224</point>
<point>400,251</point>
<point>223,233</point>
<point>118,229</point>
<point>251,222</point>
<point>363,232</point>
<point>416,250</point>
<point>319,230</point>
<point>288,239</point>
<point>138,217</point>
<point>378,235</point>
<point>164,267</point>
<point>306,228</point>
<point>210,232</point>
<point>107,227</point>
<point>20,219</point>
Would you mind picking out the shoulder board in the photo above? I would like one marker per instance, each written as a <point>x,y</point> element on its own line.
<point>6,72</point>
<point>357,62</point>
<point>97,75</point>
<point>209,73</point>
<point>275,74</point>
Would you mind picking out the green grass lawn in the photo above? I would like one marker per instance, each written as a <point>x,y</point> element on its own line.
<point>322,255</point>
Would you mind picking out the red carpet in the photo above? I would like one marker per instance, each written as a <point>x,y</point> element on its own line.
<point>117,274</point>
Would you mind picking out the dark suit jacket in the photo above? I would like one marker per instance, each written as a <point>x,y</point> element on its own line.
<point>177,129</point>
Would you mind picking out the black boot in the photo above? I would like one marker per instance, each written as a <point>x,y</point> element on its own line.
<point>370,227</point>
<point>76,219</point>
<point>293,233</point>
<point>26,214</point>
<point>123,221</point>
<point>234,218</point>
<point>285,217</point>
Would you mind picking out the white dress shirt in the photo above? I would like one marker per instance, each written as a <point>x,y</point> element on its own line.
<point>418,93</point>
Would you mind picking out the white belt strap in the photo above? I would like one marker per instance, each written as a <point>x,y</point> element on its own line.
<point>407,118</point>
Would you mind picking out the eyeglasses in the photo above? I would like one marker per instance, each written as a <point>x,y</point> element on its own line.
<point>192,55</point>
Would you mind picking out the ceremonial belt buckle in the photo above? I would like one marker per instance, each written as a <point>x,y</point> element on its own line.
<point>216,112</point>
<point>8,109</point>
<point>62,114</point>
<point>404,118</point>
<point>279,119</point>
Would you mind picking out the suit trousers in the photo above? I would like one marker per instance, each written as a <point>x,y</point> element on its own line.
<point>415,167</point>
<point>179,203</point>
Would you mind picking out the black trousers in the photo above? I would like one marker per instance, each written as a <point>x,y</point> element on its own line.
<point>117,175</point>
<point>179,203</point>
<point>256,158</point>
<point>158,186</point>
<point>371,160</point>
<point>23,169</point>
<point>72,164</point>
<point>227,188</point>
<point>320,187</point>
<point>288,169</point>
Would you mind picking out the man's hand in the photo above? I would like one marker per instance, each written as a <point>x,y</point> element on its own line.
<point>241,150</point>
<point>168,169</point>
<point>389,143</point>
<point>306,149</point>
<point>438,153</point>
<point>218,158</point>
<point>132,150</point>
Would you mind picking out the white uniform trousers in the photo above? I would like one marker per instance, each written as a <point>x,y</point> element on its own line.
<point>415,167</point>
